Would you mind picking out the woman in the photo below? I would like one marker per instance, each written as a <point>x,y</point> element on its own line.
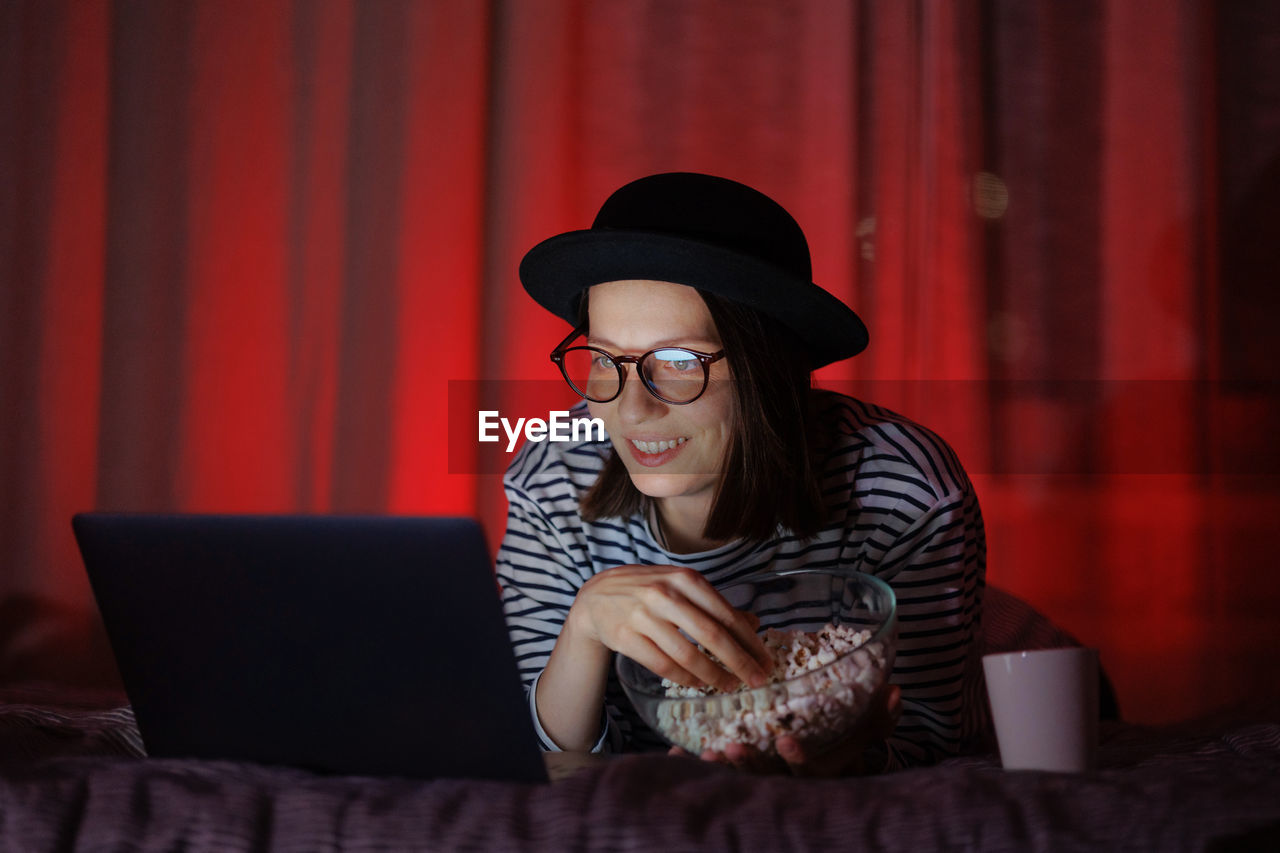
<point>721,461</point>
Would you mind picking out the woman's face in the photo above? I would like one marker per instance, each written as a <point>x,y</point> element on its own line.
<point>631,318</point>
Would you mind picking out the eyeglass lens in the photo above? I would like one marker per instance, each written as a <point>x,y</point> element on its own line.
<point>676,375</point>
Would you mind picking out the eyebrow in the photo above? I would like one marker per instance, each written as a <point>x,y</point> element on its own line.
<point>697,343</point>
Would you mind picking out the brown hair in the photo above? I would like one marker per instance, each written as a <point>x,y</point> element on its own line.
<point>769,471</point>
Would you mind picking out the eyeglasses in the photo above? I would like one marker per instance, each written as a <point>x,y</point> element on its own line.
<point>674,375</point>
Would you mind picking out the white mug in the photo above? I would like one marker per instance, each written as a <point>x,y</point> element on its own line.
<point>1045,707</point>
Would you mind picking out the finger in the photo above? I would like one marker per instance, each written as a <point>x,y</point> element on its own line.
<point>685,598</point>
<point>745,627</point>
<point>803,759</point>
<point>712,635</point>
<point>644,651</point>
<point>738,665</point>
<point>754,643</point>
<point>713,756</point>
<point>685,655</point>
<point>737,756</point>
<point>741,625</point>
<point>751,760</point>
<point>792,752</point>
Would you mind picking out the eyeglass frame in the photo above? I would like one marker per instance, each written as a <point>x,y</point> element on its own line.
<point>706,359</point>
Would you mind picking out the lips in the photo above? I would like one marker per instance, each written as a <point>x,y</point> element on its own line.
<point>654,453</point>
<point>657,446</point>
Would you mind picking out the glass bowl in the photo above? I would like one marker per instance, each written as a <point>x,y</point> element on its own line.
<point>818,705</point>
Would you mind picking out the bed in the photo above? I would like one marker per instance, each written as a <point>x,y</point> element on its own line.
<point>72,777</point>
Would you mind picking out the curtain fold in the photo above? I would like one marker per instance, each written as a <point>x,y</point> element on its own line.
<point>261,257</point>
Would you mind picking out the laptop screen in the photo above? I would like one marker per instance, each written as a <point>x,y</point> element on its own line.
<point>343,644</point>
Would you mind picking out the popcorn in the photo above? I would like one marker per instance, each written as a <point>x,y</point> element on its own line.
<point>836,689</point>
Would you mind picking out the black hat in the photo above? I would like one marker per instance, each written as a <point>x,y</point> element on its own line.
<point>705,232</point>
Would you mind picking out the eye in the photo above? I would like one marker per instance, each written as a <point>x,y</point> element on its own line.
<point>602,362</point>
<point>677,360</point>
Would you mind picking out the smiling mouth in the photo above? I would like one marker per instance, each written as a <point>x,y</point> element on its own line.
<point>654,447</point>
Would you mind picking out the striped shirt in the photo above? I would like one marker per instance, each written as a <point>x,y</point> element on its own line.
<point>900,507</point>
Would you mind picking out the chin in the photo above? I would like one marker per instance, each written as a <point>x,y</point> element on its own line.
<point>666,485</point>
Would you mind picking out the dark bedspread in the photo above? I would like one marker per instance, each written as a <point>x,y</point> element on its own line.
<point>71,779</point>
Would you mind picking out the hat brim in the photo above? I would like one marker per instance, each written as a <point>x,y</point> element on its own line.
<point>558,270</point>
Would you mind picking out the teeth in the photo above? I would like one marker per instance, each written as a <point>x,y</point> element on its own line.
<point>656,446</point>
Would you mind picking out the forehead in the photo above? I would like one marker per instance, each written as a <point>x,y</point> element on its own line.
<point>641,311</point>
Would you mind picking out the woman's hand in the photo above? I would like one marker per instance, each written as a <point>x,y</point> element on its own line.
<point>845,757</point>
<point>641,610</point>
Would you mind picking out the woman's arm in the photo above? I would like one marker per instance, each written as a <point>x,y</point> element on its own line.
<point>936,568</point>
<point>564,628</point>
<point>640,611</point>
<point>570,691</point>
<point>541,567</point>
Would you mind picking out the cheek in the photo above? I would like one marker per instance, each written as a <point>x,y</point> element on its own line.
<point>718,417</point>
<point>723,434</point>
<point>603,411</point>
<point>715,428</point>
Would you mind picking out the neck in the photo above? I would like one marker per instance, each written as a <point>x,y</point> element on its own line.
<point>681,522</point>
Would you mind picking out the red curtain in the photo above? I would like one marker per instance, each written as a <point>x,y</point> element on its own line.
<point>256,255</point>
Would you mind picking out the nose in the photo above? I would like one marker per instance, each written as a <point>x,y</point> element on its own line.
<point>635,403</point>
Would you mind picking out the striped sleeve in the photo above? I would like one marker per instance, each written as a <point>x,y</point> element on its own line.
<point>912,519</point>
<point>935,567</point>
<point>539,580</point>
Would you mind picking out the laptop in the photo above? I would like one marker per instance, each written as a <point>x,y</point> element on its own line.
<point>340,644</point>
